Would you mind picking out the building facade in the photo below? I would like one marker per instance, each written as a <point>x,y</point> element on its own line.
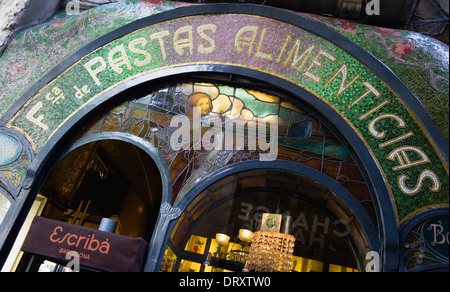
<point>183,121</point>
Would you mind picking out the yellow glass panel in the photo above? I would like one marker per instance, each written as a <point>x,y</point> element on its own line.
<point>290,106</point>
<point>264,96</point>
<point>217,270</point>
<point>196,244</point>
<point>341,269</point>
<point>313,266</point>
<point>216,250</point>
<point>168,261</point>
<point>221,104</point>
<point>297,264</point>
<point>300,264</point>
<point>188,266</point>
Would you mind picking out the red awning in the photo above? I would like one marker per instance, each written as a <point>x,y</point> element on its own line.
<point>97,249</point>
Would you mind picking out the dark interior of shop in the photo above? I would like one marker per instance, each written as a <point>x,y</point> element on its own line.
<point>105,179</point>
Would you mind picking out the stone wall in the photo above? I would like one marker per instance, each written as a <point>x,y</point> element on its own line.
<point>8,12</point>
<point>16,15</point>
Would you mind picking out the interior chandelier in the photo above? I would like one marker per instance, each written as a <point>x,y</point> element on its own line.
<point>272,250</point>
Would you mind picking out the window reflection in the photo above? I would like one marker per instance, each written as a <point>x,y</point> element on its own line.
<point>325,241</point>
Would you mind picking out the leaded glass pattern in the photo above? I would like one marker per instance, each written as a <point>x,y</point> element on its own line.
<point>302,138</point>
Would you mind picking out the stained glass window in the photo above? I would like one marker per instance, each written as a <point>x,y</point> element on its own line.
<point>301,137</point>
<point>167,117</point>
<point>427,244</point>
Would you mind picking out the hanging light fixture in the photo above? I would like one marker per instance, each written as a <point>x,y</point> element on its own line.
<point>246,235</point>
<point>222,242</point>
<point>222,239</point>
<point>272,250</point>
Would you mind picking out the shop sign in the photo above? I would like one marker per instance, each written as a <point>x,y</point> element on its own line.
<point>414,169</point>
<point>96,249</point>
<point>435,234</point>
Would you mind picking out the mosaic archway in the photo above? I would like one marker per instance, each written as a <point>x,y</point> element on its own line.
<point>396,142</point>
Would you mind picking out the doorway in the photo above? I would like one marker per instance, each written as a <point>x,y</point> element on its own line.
<point>106,178</point>
<point>329,235</point>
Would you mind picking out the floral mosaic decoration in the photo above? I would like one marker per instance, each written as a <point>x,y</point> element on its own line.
<point>412,56</point>
<point>35,51</point>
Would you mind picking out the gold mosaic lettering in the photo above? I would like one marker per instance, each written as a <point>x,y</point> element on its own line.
<point>370,89</point>
<point>259,53</point>
<point>132,46</point>
<point>283,49</point>
<point>294,55</point>
<point>212,45</point>
<point>80,93</point>
<point>386,102</point>
<point>403,158</point>
<point>181,44</point>
<point>159,36</point>
<point>120,61</point>
<point>380,135</point>
<point>396,140</point>
<point>424,175</point>
<point>38,121</point>
<point>343,71</point>
<point>94,72</point>
<point>55,95</point>
<point>245,41</point>
<point>316,62</point>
